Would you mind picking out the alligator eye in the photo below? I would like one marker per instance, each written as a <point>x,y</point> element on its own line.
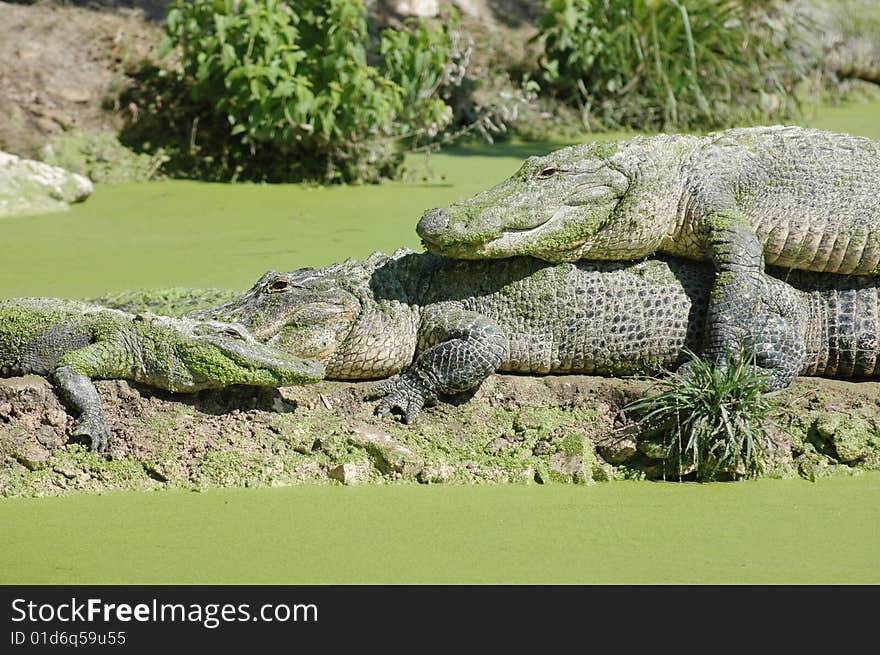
<point>232,332</point>
<point>277,286</point>
<point>550,171</point>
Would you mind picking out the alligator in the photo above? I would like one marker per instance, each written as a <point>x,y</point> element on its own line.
<point>436,326</point>
<point>72,343</point>
<point>792,197</point>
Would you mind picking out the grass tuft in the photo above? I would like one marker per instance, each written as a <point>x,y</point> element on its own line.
<point>712,420</point>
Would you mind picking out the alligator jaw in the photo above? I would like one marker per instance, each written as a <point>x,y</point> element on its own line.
<point>309,370</point>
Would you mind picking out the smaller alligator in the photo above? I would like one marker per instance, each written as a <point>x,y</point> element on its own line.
<point>450,323</point>
<point>72,343</point>
<point>798,198</point>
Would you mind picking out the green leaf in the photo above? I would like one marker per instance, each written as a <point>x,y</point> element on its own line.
<point>166,45</point>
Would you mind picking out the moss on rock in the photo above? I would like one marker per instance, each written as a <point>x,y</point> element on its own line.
<point>853,438</point>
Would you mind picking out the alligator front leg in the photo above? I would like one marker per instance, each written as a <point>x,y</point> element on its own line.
<point>72,378</point>
<point>743,316</point>
<point>81,398</point>
<point>459,349</point>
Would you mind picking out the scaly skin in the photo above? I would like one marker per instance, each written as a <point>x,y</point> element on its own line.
<point>73,343</point>
<point>793,197</point>
<point>450,323</point>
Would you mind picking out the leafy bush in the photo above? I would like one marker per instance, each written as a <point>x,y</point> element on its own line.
<point>279,92</point>
<point>712,420</point>
<point>670,63</point>
<point>427,65</point>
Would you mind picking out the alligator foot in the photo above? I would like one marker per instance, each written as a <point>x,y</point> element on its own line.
<point>406,394</point>
<point>764,338</point>
<point>746,314</point>
<point>95,428</point>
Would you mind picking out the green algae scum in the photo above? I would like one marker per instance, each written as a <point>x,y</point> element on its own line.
<point>187,234</point>
<point>768,531</point>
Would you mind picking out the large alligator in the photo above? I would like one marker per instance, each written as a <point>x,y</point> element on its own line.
<point>447,324</point>
<point>72,343</point>
<point>793,197</point>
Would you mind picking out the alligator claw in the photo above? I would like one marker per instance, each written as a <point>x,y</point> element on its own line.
<point>685,371</point>
<point>96,430</point>
<point>382,389</point>
<point>408,406</point>
<point>400,394</point>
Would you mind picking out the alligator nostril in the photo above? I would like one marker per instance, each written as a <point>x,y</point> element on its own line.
<point>432,221</point>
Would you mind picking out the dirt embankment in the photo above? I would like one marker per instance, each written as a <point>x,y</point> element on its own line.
<point>563,429</point>
<point>63,68</point>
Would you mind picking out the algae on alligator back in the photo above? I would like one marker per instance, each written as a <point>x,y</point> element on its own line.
<point>175,301</point>
<point>797,189</point>
<point>73,343</point>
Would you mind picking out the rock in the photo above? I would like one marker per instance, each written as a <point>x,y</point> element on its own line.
<point>32,456</point>
<point>67,470</point>
<point>617,449</point>
<point>653,449</point>
<point>566,464</point>
<point>422,8</point>
<point>101,157</point>
<point>542,447</point>
<point>828,424</point>
<point>31,405</point>
<point>602,471</point>
<point>25,392</point>
<point>471,7</point>
<point>49,438</point>
<point>350,472</point>
<point>811,465</point>
<point>528,421</point>
<point>439,472</point>
<point>503,443</point>
<point>573,460</point>
<point>75,94</point>
<point>32,187</point>
<point>853,437</point>
<point>389,456</point>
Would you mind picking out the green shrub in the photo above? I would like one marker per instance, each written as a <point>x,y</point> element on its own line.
<point>427,65</point>
<point>711,420</point>
<point>279,92</point>
<point>670,63</point>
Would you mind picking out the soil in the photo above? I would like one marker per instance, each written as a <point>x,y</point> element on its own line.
<point>63,65</point>
<point>520,429</point>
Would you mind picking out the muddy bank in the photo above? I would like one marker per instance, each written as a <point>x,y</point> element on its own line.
<point>515,429</point>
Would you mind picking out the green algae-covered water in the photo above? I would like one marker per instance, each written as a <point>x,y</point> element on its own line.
<point>193,234</point>
<point>767,531</point>
<point>200,235</point>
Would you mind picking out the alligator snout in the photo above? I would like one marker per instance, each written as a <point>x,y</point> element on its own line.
<point>303,370</point>
<point>432,222</point>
